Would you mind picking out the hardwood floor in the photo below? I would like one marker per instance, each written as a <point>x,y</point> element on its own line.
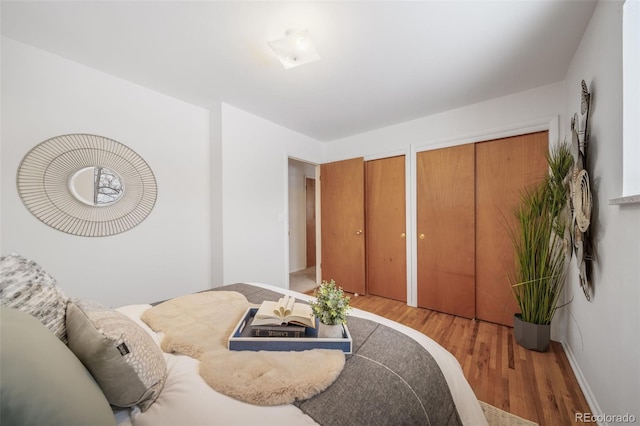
<point>536,386</point>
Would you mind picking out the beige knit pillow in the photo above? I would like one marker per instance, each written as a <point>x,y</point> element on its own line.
<point>25,286</point>
<point>125,361</point>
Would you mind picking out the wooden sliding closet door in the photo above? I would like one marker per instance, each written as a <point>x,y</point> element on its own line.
<point>386,226</point>
<point>342,224</point>
<point>504,167</point>
<point>446,230</point>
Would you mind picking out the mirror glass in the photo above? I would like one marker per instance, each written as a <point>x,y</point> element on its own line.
<point>96,186</point>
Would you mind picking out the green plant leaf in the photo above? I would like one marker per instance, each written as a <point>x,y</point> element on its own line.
<point>331,305</point>
<point>539,274</point>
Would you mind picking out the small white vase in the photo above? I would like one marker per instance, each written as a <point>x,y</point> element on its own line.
<point>330,331</point>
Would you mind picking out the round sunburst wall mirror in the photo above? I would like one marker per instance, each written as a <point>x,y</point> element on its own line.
<point>86,185</point>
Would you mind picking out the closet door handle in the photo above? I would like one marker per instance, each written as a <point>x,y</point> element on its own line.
<point>359,232</point>
<point>403,235</point>
<point>421,236</point>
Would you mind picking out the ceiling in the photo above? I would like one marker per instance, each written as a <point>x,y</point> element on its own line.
<point>383,62</point>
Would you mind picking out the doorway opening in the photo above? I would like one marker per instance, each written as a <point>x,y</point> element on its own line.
<point>302,226</point>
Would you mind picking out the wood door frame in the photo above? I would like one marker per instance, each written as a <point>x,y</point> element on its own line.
<point>550,124</point>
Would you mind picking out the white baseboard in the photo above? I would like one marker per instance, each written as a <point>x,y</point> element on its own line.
<point>582,382</point>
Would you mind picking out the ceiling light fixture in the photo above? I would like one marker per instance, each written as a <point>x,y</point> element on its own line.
<point>295,49</point>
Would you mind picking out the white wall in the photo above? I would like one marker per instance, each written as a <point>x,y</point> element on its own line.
<point>215,140</point>
<point>168,254</point>
<point>486,118</point>
<point>298,173</point>
<point>254,190</point>
<point>602,335</point>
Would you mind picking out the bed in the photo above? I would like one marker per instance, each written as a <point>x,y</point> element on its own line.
<point>356,397</point>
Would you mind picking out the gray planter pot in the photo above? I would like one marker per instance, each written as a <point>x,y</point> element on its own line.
<point>330,331</point>
<point>531,336</point>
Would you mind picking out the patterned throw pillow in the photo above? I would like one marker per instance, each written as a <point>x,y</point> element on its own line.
<point>25,286</point>
<point>125,361</point>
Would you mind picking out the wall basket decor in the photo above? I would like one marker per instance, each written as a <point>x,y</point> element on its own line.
<point>580,198</point>
<point>86,185</point>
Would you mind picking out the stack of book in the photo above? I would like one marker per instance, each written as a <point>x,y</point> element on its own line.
<point>284,318</point>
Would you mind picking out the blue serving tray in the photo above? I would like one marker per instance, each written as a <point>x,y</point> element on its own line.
<point>241,339</point>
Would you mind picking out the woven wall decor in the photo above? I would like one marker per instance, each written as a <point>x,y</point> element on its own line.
<point>580,199</point>
<point>86,185</point>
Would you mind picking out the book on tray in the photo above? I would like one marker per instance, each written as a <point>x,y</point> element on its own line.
<point>284,318</point>
<point>286,330</point>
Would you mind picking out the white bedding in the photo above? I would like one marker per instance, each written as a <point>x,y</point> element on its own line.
<point>187,400</point>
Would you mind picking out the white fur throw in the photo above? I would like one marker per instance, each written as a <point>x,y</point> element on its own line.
<point>199,325</point>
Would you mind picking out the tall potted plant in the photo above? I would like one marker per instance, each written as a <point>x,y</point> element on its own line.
<point>538,279</point>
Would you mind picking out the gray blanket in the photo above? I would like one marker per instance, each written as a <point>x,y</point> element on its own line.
<point>389,380</point>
